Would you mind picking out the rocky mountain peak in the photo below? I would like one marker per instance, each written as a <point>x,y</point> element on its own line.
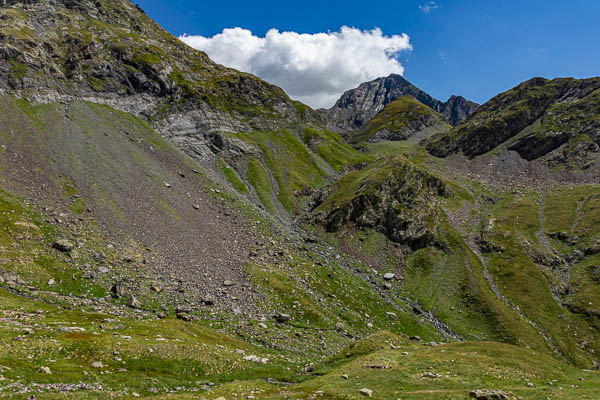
<point>357,106</point>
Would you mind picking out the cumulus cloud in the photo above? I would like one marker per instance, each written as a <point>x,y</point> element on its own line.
<point>314,68</point>
<point>427,7</point>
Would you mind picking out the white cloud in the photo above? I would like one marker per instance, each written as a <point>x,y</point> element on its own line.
<point>427,7</point>
<point>314,68</point>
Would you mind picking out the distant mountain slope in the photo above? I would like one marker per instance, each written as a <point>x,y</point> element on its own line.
<point>357,106</point>
<point>538,116</point>
<point>399,120</point>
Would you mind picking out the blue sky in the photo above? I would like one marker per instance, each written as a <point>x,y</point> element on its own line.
<point>474,48</point>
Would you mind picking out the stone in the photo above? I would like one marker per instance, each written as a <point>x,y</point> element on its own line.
<point>103,270</point>
<point>282,318</point>
<point>134,302</point>
<point>183,309</point>
<point>430,375</point>
<point>97,364</point>
<point>415,338</point>
<point>256,359</point>
<point>228,283</point>
<point>63,245</point>
<point>45,370</point>
<point>366,392</point>
<point>118,290</point>
<point>184,317</point>
<point>389,276</point>
<point>488,394</point>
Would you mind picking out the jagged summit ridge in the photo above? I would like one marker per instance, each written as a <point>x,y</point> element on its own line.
<point>357,106</point>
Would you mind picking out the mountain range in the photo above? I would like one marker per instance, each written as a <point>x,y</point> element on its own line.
<point>172,228</point>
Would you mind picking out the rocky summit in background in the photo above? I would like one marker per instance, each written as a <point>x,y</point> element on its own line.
<point>357,106</point>
<point>172,228</point>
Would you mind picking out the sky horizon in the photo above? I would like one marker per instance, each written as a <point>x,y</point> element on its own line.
<point>317,50</point>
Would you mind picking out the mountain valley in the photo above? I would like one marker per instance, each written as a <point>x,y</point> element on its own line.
<point>171,228</point>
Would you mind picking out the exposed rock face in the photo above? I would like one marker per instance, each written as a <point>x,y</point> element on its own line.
<point>457,109</point>
<point>357,106</point>
<point>392,196</point>
<point>556,112</point>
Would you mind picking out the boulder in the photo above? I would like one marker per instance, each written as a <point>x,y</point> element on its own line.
<point>133,302</point>
<point>118,290</point>
<point>282,318</point>
<point>184,316</point>
<point>63,245</point>
<point>488,394</point>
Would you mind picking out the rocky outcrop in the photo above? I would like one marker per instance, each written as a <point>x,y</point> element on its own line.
<point>357,106</point>
<point>392,196</point>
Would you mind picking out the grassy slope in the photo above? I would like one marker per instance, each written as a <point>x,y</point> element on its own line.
<point>452,284</point>
<point>169,355</point>
<point>528,285</point>
<point>462,367</point>
<point>295,166</point>
<point>320,293</point>
<point>155,354</point>
<point>399,116</point>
